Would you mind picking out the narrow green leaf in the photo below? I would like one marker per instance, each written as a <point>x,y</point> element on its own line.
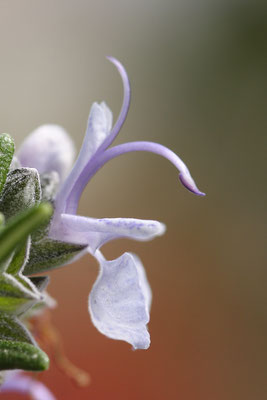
<point>17,229</point>
<point>18,349</point>
<point>18,293</point>
<point>20,257</point>
<point>12,329</point>
<point>49,254</point>
<point>14,294</point>
<point>7,148</point>
<point>20,355</point>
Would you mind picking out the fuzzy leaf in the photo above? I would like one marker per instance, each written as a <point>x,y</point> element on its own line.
<point>33,286</point>
<point>19,258</point>
<point>18,349</point>
<point>6,153</point>
<point>15,294</point>
<point>21,191</point>
<point>49,254</point>
<point>17,229</point>
<point>12,329</point>
<point>49,185</point>
<point>18,355</point>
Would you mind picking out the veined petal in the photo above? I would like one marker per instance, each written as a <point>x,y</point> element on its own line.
<point>48,148</point>
<point>120,300</point>
<point>16,382</point>
<point>95,232</point>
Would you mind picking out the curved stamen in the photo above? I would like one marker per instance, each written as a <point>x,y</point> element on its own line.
<point>124,148</point>
<point>125,105</point>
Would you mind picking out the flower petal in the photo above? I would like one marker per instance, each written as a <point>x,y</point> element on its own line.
<point>16,382</point>
<point>96,232</point>
<point>120,300</point>
<point>48,148</point>
<point>98,128</point>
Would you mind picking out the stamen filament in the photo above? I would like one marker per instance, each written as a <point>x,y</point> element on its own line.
<point>124,108</point>
<point>109,154</point>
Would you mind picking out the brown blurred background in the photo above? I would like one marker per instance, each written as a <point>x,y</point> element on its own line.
<point>198,75</point>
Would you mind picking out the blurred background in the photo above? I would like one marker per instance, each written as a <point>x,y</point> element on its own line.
<point>198,75</point>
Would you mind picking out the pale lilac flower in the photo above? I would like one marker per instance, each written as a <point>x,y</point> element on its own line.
<point>17,382</point>
<point>120,299</point>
